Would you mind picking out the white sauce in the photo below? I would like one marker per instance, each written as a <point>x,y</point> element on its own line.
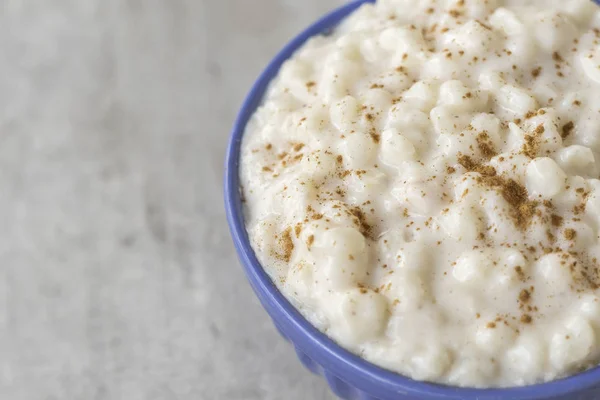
<point>423,186</point>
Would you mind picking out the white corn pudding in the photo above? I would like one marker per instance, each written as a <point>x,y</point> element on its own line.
<point>422,185</point>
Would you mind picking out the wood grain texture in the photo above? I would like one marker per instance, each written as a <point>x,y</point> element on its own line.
<point>118,278</point>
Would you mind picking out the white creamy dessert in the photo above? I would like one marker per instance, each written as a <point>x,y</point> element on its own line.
<point>423,185</point>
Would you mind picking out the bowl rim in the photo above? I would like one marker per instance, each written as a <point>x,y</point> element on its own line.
<point>360,373</point>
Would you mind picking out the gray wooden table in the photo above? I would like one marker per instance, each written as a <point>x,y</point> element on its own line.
<point>119,280</point>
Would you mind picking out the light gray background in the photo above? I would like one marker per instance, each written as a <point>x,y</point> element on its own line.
<point>117,276</point>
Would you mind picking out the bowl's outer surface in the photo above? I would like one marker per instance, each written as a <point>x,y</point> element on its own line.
<point>349,376</point>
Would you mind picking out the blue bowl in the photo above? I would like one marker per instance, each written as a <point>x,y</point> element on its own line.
<point>349,376</point>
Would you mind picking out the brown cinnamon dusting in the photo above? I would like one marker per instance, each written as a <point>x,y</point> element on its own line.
<point>570,234</point>
<point>567,129</point>
<point>526,319</point>
<point>286,245</point>
<point>533,141</point>
<point>556,220</point>
<point>298,146</point>
<point>522,210</point>
<point>485,145</point>
<point>557,57</point>
<point>516,196</point>
<point>524,296</point>
<point>310,240</point>
<point>579,209</point>
<point>375,136</point>
<point>520,273</point>
<point>364,227</point>
<point>536,72</point>
<point>471,166</point>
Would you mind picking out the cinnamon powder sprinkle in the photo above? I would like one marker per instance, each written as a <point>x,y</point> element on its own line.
<point>522,210</point>
<point>557,57</point>
<point>286,245</point>
<point>526,319</point>
<point>567,129</point>
<point>556,220</point>
<point>375,136</point>
<point>536,72</point>
<point>471,166</point>
<point>520,273</point>
<point>364,227</point>
<point>485,145</point>
<point>310,240</point>
<point>570,234</point>
<point>298,146</point>
<point>532,142</point>
<point>524,296</point>
<point>579,209</point>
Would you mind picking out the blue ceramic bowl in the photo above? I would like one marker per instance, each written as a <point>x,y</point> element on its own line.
<point>349,376</point>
